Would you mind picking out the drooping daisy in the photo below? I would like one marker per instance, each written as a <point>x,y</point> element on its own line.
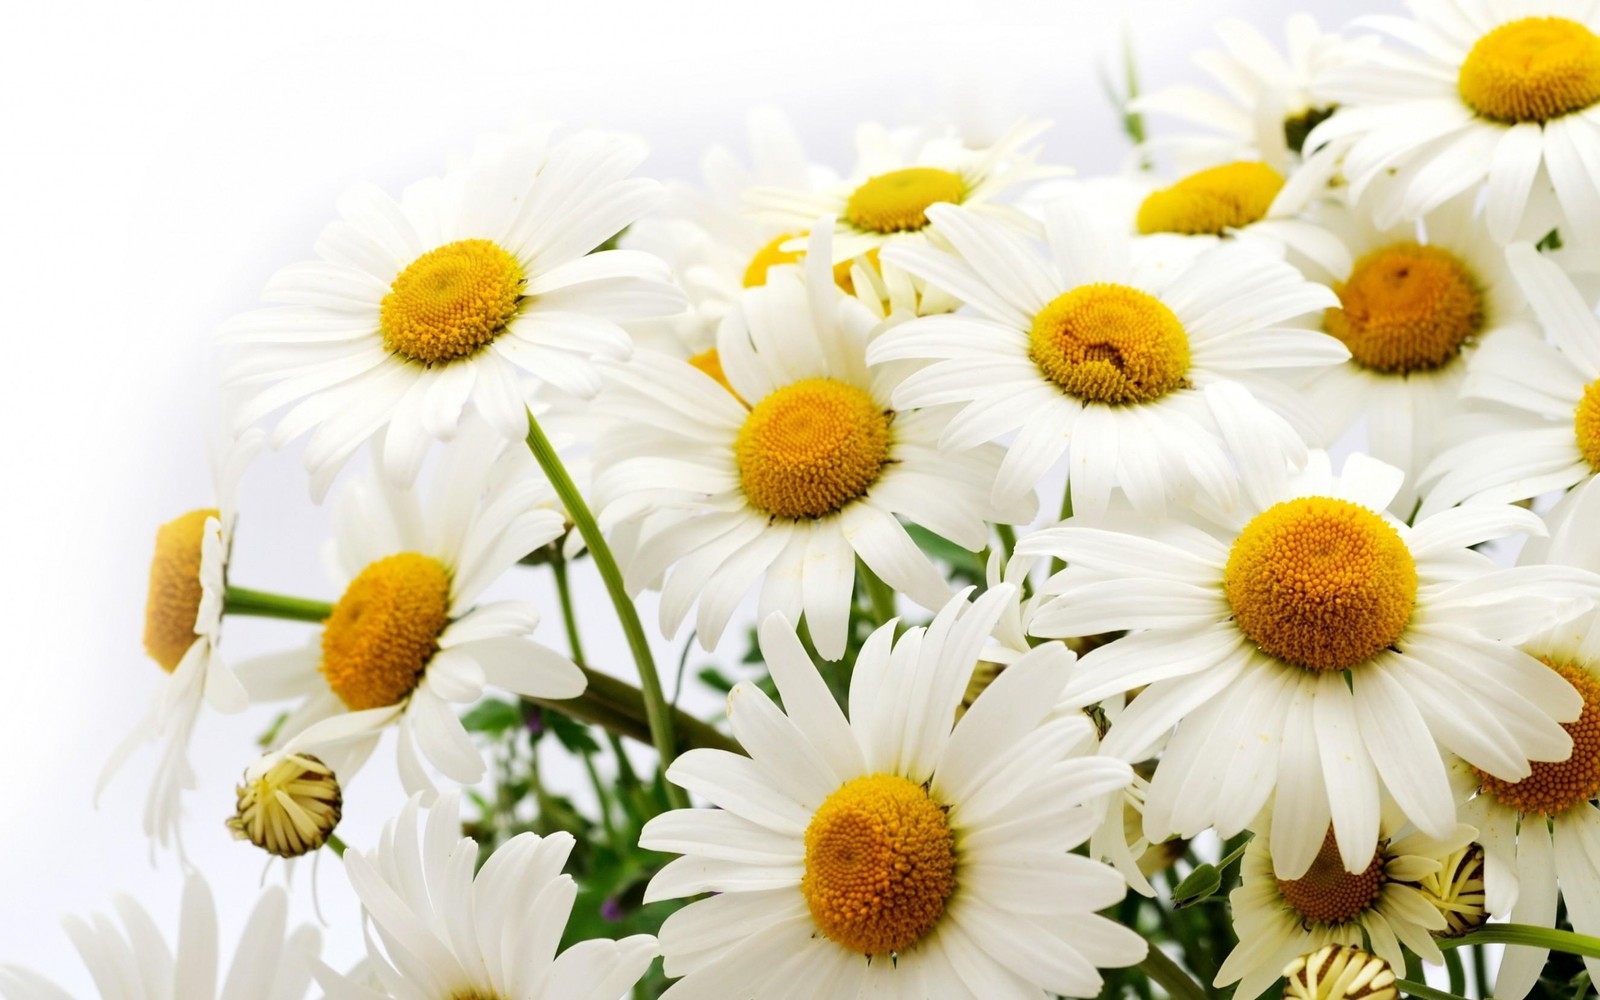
<point>443,932</point>
<point>787,469</point>
<point>182,629</point>
<point>976,894</point>
<point>1553,438</point>
<point>135,961</point>
<point>1310,645</point>
<point>288,804</point>
<point>1340,972</point>
<point>407,638</point>
<point>417,308</point>
<point>1497,96</point>
<point>1378,907</point>
<point>1106,347</point>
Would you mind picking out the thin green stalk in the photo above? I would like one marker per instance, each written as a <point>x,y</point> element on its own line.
<point>1480,970</point>
<point>1008,541</point>
<point>605,802</point>
<point>620,709</point>
<point>880,593</point>
<point>1527,934</point>
<point>569,617</point>
<point>1458,975</point>
<point>1171,976</point>
<point>1422,991</point>
<point>260,604</point>
<point>1057,565</point>
<point>655,703</point>
<point>336,845</point>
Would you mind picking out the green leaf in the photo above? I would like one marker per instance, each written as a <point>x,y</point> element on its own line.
<point>575,736</point>
<point>492,716</point>
<point>1197,885</point>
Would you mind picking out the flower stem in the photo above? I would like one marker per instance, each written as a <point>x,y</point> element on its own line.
<point>1422,991</point>
<point>619,708</point>
<point>1171,976</point>
<point>657,711</point>
<point>1527,934</point>
<point>880,593</point>
<point>569,618</point>
<point>260,604</point>
<point>336,845</point>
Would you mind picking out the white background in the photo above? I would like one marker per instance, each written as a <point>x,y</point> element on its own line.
<point>157,163</point>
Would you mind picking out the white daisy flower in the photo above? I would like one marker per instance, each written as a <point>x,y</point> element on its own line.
<point>1107,347</point>
<point>407,637</point>
<point>1498,96</point>
<point>1340,972</point>
<point>135,960</point>
<point>1553,441</point>
<point>1378,907</point>
<point>445,932</point>
<point>420,307</point>
<point>979,895</point>
<point>182,629</point>
<point>1311,650</point>
<point>787,470</point>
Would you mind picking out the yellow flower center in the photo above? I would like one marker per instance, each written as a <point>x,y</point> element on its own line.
<point>845,280</point>
<point>1327,894</point>
<point>1340,972</point>
<point>897,202</point>
<point>451,302</point>
<point>173,604</point>
<point>710,362</point>
<point>1211,201</point>
<point>1532,70</point>
<point>385,629</point>
<point>1456,891</point>
<point>1556,786</point>
<point>1321,583</point>
<point>1406,308</point>
<point>290,808</point>
<point>769,257</point>
<point>1586,424</point>
<point>811,447</point>
<point>1110,344</point>
<point>880,864</point>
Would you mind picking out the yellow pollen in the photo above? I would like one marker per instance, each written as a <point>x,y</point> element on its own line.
<point>290,808</point>
<point>1406,308</point>
<point>1321,583</point>
<point>710,362</point>
<point>880,864</point>
<point>1111,344</point>
<point>451,302</point>
<point>385,629</point>
<point>1532,70</point>
<point>173,604</point>
<point>1211,201</point>
<point>1556,786</point>
<point>1586,424</point>
<point>897,202</point>
<point>768,257</point>
<point>811,447</point>
<point>1327,894</point>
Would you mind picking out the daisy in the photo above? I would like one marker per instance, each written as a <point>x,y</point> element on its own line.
<point>978,896</point>
<point>1553,441</point>
<point>1107,347</point>
<point>1378,907</point>
<point>417,308</point>
<point>1308,644</point>
<point>789,468</point>
<point>407,637</point>
<point>182,629</point>
<point>445,932</point>
<point>1499,97</point>
<point>1340,972</point>
<point>135,960</point>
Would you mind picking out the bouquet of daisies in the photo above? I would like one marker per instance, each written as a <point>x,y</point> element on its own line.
<point>1180,582</point>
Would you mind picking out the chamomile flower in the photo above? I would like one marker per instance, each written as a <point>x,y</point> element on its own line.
<point>786,470</point>
<point>1340,972</point>
<point>135,960</point>
<point>1501,97</point>
<point>1312,650</point>
<point>976,895</point>
<point>1107,347</point>
<point>442,931</point>
<point>1553,390</point>
<point>407,637</point>
<point>445,298</point>
<point>183,626</point>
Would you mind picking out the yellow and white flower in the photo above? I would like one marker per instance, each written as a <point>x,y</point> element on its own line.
<point>978,895</point>
<point>1340,972</point>
<point>419,308</point>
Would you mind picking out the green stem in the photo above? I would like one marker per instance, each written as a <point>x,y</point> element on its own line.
<point>1422,991</point>
<point>1458,975</point>
<point>605,803</point>
<point>880,593</point>
<point>1057,565</point>
<point>1527,934</point>
<point>619,708</point>
<point>657,711</point>
<point>336,845</point>
<point>1008,541</point>
<point>569,618</point>
<point>260,604</point>
<point>1480,970</point>
<point>1170,975</point>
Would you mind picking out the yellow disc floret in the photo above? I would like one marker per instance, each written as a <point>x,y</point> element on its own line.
<point>1456,891</point>
<point>1586,424</point>
<point>1556,786</point>
<point>385,629</point>
<point>1211,201</point>
<point>451,302</point>
<point>1112,344</point>
<point>173,603</point>
<point>1327,894</point>
<point>897,202</point>
<point>811,447</point>
<point>1532,70</point>
<point>769,257</point>
<point>1406,308</point>
<point>288,805</point>
<point>1339,972</point>
<point>1321,583</point>
<point>880,864</point>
